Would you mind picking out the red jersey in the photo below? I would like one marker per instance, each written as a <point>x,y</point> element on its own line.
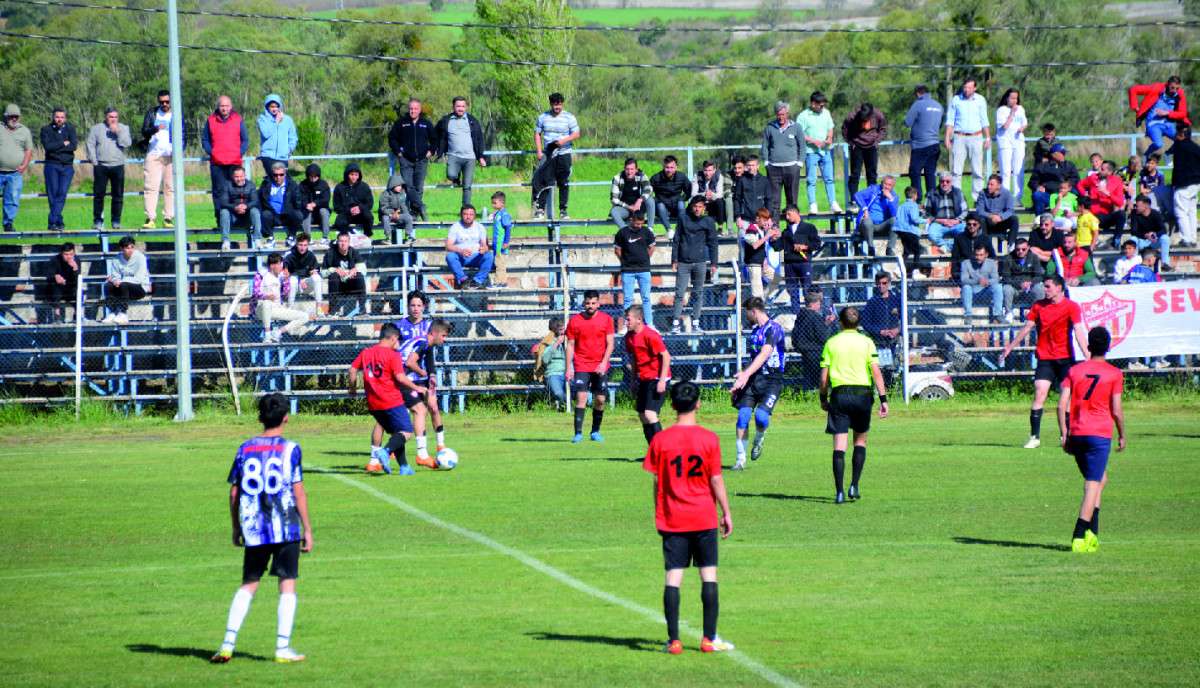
<point>590,337</point>
<point>380,364</point>
<point>684,458</point>
<point>1092,385</point>
<point>644,350</point>
<point>1055,321</point>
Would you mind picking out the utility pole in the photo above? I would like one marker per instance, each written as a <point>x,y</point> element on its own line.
<point>183,330</point>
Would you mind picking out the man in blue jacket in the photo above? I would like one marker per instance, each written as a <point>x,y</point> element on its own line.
<point>277,134</point>
<point>877,207</point>
<point>279,203</point>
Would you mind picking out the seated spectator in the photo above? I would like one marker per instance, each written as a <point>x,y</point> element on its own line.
<point>239,208</point>
<point>751,191</point>
<point>755,237</point>
<point>1104,195</point>
<point>1130,174</point>
<point>634,246</point>
<point>467,249</point>
<point>304,274</point>
<point>393,211</point>
<point>353,201</point>
<point>1149,229</point>
<point>1095,161</point>
<point>128,280</point>
<point>881,322</point>
<point>710,184</point>
<point>1087,229</point>
<point>670,189</point>
<point>630,194</point>
<point>279,203</point>
<point>1162,199</point>
<point>946,210</point>
<point>1129,258</point>
<point>1150,175</point>
<point>979,275</point>
<point>1162,106</point>
<point>1074,262</point>
<point>1144,271</point>
<point>966,243</point>
<point>314,203</point>
<point>550,362</point>
<point>996,207</point>
<point>799,243</point>
<point>1050,175</point>
<point>271,287</point>
<point>62,281</point>
<point>1065,210</point>
<point>907,228</point>
<point>808,336</point>
<point>345,270</point>
<point>1044,239</point>
<point>877,206</point>
<point>1021,275</point>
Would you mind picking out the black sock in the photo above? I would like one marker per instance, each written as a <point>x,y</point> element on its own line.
<point>597,417</point>
<point>671,611</point>
<point>712,605</point>
<point>1095,525</point>
<point>839,469</point>
<point>1080,526</point>
<point>648,431</point>
<point>579,420</point>
<point>440,428</point>
<point>657,427</point>
<point>857,461</point>
<point>1035,423</point>
<point>395,446</point>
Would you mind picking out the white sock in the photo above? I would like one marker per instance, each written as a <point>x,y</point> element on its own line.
<point>758,436</point>
<point>237,614</point>
<point>287,615</point>
<point>422,446</point>
<point>741,447</point>
<point>375,451</point>
<point>441,438</point>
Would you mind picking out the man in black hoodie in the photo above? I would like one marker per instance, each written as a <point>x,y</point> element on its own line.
<point>750,191</point>
<point>799,243</point>
<point>353,201</point>
<point>693,258</point>
<point>62,280</point>
<point>314,202</point>
<point>670,193</point>
<point>59,141</point>
<point>412,142</point>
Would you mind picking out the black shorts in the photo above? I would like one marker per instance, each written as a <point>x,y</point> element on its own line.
<point>284,559</point>
<point>1054,370</point>
<point>648,398</point>
<point>413,398</point>
<point>681,550</point>
<point>760,392</point>
<point>590,382</point>
<point>849,409</point>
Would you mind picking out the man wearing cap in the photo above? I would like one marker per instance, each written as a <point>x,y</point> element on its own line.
<point>968,133</point>
<point>1050,175</point>
<point>782,148</point>
<point>16,150</point>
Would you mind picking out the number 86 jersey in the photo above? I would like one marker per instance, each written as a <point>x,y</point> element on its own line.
<point>264,471</point>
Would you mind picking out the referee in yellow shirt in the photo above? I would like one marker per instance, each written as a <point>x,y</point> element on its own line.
<point>850,367</point>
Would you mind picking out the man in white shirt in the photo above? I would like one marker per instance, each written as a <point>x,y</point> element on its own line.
<point>157,168</point>
<point>968,134</point>
<point>467,248</point>
<point>271,288</point>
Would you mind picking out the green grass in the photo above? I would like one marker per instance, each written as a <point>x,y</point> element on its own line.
<point>631,16</point>
<point>117,569</point>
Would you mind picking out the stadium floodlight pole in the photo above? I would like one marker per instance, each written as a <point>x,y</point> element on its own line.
<point>183,332</point>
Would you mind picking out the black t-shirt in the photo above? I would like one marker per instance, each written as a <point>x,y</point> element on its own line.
<point>635,248</point>
<point>334,259</point>
<point>1141,225</point>
<point>1038,240</point>
<point>1186,156</point>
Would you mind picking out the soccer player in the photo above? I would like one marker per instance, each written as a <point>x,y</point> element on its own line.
<point>756,388</point>
<point>849,367</point>
<point>589,347</point>
<point>1056,317</point>
<point>417,325</point>
<point>269,509</point>
<point>415,354</point>
<point>383,376</point>
<point>650,362</point>
<point>686,462</point>
<point>1087,408</point>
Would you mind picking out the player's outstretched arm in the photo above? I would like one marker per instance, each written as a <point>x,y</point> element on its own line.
<point>717,484</point>
<point>1064,407</point>
<point>570,354</point>
<point>1081,336</point>
<point>302,509</point>
<point>1118,414</point>
<point>403,381</point>
<point>233,515</point>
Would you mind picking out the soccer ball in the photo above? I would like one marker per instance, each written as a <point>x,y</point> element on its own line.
<point>447,459</point>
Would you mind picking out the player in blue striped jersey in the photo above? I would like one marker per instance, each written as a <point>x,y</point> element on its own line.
<point>417,356</point>
<point>756,388</point>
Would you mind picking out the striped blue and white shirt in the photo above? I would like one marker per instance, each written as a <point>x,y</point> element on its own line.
<point>264,470</point>
<point>554,127</point>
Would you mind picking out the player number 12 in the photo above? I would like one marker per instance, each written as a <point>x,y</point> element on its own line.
<point>694,463</point>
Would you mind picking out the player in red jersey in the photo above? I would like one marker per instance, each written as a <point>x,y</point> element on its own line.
<point>1087,409</point>
<point>589,346</point>
<point>686,462</point>
<point>1056,317</point>
<point>383,377</point>
<point>650,365</point>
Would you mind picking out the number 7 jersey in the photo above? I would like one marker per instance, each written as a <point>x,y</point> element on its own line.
<point>1092,385</point>
<point>264,471</point>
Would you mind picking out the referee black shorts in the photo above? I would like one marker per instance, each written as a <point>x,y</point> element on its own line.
<point>849,409</point>
<point>681,550</point>
<point>1055,370</point>
<point>284,559</point>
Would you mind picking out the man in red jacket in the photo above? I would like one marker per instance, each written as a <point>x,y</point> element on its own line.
<point>1162,106</point>
<point>225,141</point>
<point>1103,194</point>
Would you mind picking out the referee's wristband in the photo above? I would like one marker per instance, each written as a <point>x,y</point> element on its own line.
<point>883,398</point>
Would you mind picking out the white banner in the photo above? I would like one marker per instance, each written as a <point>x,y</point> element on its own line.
<point>1159,319</point>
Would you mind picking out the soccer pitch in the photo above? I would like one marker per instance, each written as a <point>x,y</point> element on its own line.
<point>536,562</point>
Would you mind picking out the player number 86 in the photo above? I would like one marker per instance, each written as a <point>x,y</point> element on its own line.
<point>256,480</point>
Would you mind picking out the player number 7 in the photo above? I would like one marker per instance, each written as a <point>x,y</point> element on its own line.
<point>1092,387</point>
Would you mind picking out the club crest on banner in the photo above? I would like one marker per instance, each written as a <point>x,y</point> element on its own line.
<point>1111,312</point>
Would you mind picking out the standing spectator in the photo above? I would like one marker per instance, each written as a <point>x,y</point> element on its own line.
<point>1073,263</point>
<point>1041,147</point>
<point>809,333</point>
<point>467,248</point>
<point>966,243</point>
<point>1149,229</point>
<point>877,207</point>
<point>783,149</point>
<point>502,229</point>
<point>924,121</point>
<point>946,210</point>
<point>1011,123</point>
<point>799,243</point>
<point>62,281</point>
<point>670,194</point>
<point>629,194</point>
<point>1021,274</point>
<point>412,142</point>
<point>751,192</point>
<point>128,280</point>
<point>1049,177</point>
<point>1163,107</point>
<point>106,146</point>
<point>16,150</point>
<point>907,227</point>
<point>345,270</point>
<point>459,138</point>
<point>881,317</point>
<point>277,134</point>
<point>710,184</point>
<point>224,140</point>
<point>968,133</point>
<point>1103,195</point>
<point>979,274</point>
<point>694,256</point>
<point>863,129</point>
<point>59,141</point>
<point>158,171</point>
<point>314,202</point>
<point>393,211</point>
<point>551,362</point>
<point>997,208</point>
<point>755,238</point>
<point>634,246</point>
<point>279,203</point>
<point>1185,179</point>
<point>238,206</point>
<point>304,273</point>
<point>1044,239</point>
<point>553,134</point>
<point>353,201</point>
<point>816,126</point>
<point>271,289</point>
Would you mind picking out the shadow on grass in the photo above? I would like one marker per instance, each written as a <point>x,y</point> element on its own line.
<point>534,440</point>
<point>1001,445</point>
<point>786,497</point>
<point>344,453</point>
<point>615,459</point>
<point>189,652</point>
<point>1011,543</point>
<point>638,644</point>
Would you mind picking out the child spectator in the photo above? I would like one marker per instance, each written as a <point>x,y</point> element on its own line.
<point>1128,260</point>
<point>502,225</point>
<point>1150,175</point>
<point>908,229</point>
<point>550,362</point>
<point>1041,147</point>
<point>393,210</point>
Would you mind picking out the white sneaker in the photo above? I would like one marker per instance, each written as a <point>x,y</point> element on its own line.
<point>1009,316</point>
<point>1138,365</point>
<point>670,235</point>
<point>812,209</point>
<point>1033,443</point>
<point>833,208</point>
<point>121,318</point>
<point>740,464</point>
<point>109,319</point>
<point>719,644</point>
<point>225,245</point>
<point>287,655</point>
<point>1161,363</point>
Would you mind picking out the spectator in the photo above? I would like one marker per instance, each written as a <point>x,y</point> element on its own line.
<point>59,141</point>
<point>62,281</point>
<point>997,208</point>
<point>968,133</point>
<point>1066,209</point>
<point>1074,263</point>
<point>1041,147</point>
<point>158,171</point>
<point>271,288</point>
<point>1010,140</point>
<point>881,319</point>
<point>924,120</point>
<point>946,210</point>
<point>634,246</point>
<point>816,126</point>
<point>239,207</point>
<point>979,274</point>
<point>1131,173</point>
<point>755,238</point>
<point>1144,273</point>
<point>279,203</point>
<point>782,148</point>
<point>709,184</point>
<point>393,211</point>
<point>304,273</point>
<point>1126,262</point>
<point>555,131</point>
<point>694,256</point>
<point>1044,239</point>
<point>907,227</point>
<point>314,202</point>
<point>224,140</point>
<point>353,201</point>
<point>751,192</point>
<point>412,142</point>
<point>128,280</point>
<point>345,271</point>
<point>551,362</point>
<point>877,207</point>
<point>106,146</point>
<point>863,130</point>
<point>966,243</point>
<point>669,188</point>
<point>1163,107</point>
<point>467,248</point>
<point>1150,174</point>
<point>808,337</point>
<point>277,135</point>
<point>1049,177</point>
<point>502,226</point>
<point>1021,275</point>
<point>1104,195</point>
<point>459,138</point>
<point>630,193</point>
<point>1185,179</point>
<point>1087,229</point>
<point>1149,229</point>
<point>1095,160</point>
<point>16,150</point>
<point>799,243</point>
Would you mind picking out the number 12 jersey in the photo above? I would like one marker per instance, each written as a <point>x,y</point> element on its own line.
<point>684,458</point>
<point>264,470</point>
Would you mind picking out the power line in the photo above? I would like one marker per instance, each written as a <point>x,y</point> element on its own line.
<point>631,29</point>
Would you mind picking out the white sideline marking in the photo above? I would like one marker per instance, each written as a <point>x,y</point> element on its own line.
<point>566,579</point>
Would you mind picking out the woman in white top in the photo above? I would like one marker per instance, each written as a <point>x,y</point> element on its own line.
<point>1010,140</point>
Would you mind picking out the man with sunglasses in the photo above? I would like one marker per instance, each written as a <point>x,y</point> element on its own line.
<point>279,203</point>
<point>158,170</point>
<point>1021,275</point>
<point>16,150</point>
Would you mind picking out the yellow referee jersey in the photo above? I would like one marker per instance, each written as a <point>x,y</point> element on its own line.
<point>848,355</point>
